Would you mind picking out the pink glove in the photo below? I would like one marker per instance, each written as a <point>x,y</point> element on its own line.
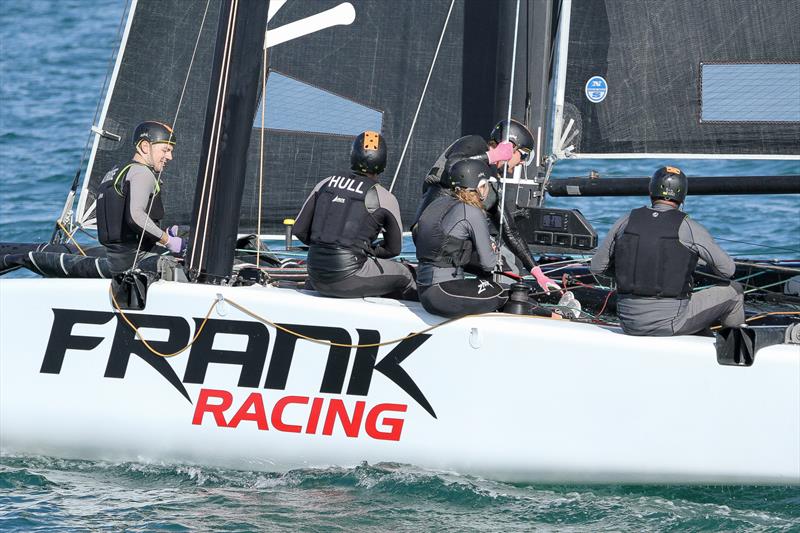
<point>502,152</point>
<point>175,244</point>
<point>544,282</point>
<point>172,231</point>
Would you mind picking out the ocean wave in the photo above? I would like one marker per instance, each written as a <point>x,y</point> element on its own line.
<point>37,490</point>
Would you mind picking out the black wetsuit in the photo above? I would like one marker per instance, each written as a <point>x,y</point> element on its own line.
<point>340,221</point>
<point>446,235</point>
<point>475,147</point>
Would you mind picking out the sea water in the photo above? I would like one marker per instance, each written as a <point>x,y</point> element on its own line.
<point>53,58</point>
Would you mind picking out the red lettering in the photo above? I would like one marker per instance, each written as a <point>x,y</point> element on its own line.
<point>257,415</point>
<point>377,424</point>
<point>313,418</point>
<point>395,424</point>
<point>336,408</point>
<point>203,406</point>
<point>277,413</point>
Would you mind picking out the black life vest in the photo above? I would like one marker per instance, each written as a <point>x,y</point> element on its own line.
<point>341,218</point>
<point>114,222</point>
<point>649,259</point>
<point>434,245</point>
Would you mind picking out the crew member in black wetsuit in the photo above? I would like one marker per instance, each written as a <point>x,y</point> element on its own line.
<point>496,152</point>
<point>340,221</point>
<point>130,203</point>
<point>652,252</point>
<point>448,231</point>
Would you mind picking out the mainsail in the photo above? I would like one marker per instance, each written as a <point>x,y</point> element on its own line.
<point>646,78</point>
<point>375,61</point>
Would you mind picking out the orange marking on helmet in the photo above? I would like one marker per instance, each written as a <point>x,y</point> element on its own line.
<point>673,170</point>
<point>371,140</point>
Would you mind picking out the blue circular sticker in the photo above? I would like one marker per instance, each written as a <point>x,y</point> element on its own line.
<point>596,89</point>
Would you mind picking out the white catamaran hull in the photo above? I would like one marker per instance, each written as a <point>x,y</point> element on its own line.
<point>514,398</point>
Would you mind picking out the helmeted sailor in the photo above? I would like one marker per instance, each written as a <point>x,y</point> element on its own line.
<point>652,253</point>
<point>452,232</point>
<point>130,201</point>
<point>498,151</point>
<point>340,222</point>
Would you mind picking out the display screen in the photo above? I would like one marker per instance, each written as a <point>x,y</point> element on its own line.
<point>552,221</point>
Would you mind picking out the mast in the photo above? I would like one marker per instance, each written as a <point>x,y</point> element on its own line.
<point>233,97</point>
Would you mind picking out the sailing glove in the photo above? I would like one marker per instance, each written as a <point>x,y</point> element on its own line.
<point>544,282</point>
<point>175,244</point>
<point>502,152</point>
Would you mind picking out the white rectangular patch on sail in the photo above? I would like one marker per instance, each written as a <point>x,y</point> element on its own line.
<point>750,92</point>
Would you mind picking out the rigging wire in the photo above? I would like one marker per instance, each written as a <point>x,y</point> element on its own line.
<point>204,206</point>
<point>783,249</point>
<point>261,155</point>
<point>174,124</point>
<point>422,97</point>
<point>502,199</point>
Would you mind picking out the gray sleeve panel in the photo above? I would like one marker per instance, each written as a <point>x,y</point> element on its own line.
<point>302,223</point>
<point>603,256</point>
<point>479,230</point>
<point>388,201</point>
<point>694,236</point>
<point>142,184</point>
<point>388,216</point>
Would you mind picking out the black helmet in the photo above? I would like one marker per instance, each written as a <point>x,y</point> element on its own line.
<point>153,132</point>
<point>368,153</point>
<point>669,183</point>
<point>517,134</point>
<point>468,174</point>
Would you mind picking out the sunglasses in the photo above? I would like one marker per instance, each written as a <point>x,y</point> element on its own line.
<point>525,156</point>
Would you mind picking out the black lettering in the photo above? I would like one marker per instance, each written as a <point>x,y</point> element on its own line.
<point>251,360</point>
<point>282,353</point>
<point>126,343</point>
<point>62,339</point>
<point>389,366</point>
<point>364,363</point>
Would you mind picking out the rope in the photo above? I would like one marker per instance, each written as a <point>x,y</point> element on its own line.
<point>70,237</point>
<point>502,206</point>
<point>147,345</point>
<point>763,315</point>
<point>422,97</point>
<point>299,335</point>
<point>342,345</point>
<point>773,313</point>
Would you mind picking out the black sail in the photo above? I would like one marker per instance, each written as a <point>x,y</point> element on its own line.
<point>379,63</point>
<point>665,65</point>
<point>153,68</point>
